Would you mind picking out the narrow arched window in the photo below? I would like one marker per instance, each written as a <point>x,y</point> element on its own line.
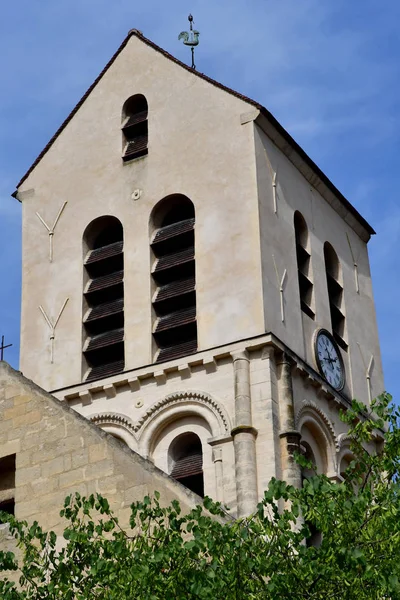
<point>173,273</point>
<point>313,449</point>
<point>103,323</point>
<point>134,128</point>
<point>186,458</point>
<point>304,265</point>
<point>335,292</point>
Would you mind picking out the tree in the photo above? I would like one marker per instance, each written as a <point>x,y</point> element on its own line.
<point>208,555</point>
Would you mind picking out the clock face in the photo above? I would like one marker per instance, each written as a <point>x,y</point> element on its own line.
<point>329,359</point>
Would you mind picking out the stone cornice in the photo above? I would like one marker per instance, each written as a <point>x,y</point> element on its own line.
<point>267,343</point>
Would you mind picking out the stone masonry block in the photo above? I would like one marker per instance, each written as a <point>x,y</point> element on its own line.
<point>15,411</point>
<point>108,485</point>
<point>27,475</point>
<point>71,478</point>
<point>27,419</point>
<point>71,444</point>
<point>80,458</point>
<point>45,485</point>
<point>97,452</point>
<point>136,492</point>
<point>11,391</point>
<point>23,459</point>
<point>22,399</point>
<point>26,509</point>
<point>92,487</point>
<point>54,434</point>
<point>9,448</point>
<point>67,462</point>
<point>52,467</point>
<point>30,440</point>
<point>44,453</point>
<point>99,470</point>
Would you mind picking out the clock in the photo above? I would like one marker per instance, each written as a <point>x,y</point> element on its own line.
<point>329,359</point>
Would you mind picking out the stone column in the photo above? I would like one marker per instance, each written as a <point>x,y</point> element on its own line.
<point>244,438</point>
<point>289,436</point>
<point>217,459</point>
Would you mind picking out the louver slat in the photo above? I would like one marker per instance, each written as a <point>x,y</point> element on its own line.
<point>106,370</point>
<point>188,466</point>
<point>175,259</point>
<point>176,288</point>
<point>106,309</point>
<point>135,119</point>
<point>105,339</point>
<point>100,283</point>
<point>177,351</point>
<point>176,319</point>
<point>172,230</point>
<point>136,146</point>
<point>104,252</point>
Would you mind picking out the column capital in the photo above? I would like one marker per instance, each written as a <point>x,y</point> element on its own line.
<point>240,355</point>
<point>284,359</point>
<point>244,429</point>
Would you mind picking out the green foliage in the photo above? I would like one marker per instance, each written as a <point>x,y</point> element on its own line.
<point>167,555</point>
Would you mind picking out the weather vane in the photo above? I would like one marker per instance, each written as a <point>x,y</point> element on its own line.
<point>190,38</point>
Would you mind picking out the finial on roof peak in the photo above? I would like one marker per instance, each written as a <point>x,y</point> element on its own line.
<point>190,38</point>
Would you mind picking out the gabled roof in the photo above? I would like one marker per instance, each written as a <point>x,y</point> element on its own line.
<point>281,130</point>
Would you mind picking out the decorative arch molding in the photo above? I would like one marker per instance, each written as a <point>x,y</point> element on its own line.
<point>343,449</point>
<point>184,398</point>
<point>118,425</point>
<point>311,414</point>
<point>178,405</point>
<point>309,410</point>
<point>344,440</point>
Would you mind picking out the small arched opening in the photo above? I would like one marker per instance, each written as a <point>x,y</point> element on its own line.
<point>135,128</point>
<point>185,458</point>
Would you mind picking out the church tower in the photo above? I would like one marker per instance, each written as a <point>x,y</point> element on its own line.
<point>193,283</point>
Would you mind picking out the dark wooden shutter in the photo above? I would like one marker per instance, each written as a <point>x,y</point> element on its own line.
<point>187,466</point>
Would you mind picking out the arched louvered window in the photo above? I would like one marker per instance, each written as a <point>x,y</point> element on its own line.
<point>186,457</point>
<point>173,272</point>
<point>314,450</point>
<point>335,291</point>
<point>134,128</point>
<point>304,265</point>
<point>103,346</point>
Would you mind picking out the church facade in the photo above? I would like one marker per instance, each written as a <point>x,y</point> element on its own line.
<point>193,284</point>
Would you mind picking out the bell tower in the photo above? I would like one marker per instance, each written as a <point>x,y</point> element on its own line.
<point>193,283</point>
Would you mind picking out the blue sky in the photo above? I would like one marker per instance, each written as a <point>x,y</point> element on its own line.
<point>327,70</point>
